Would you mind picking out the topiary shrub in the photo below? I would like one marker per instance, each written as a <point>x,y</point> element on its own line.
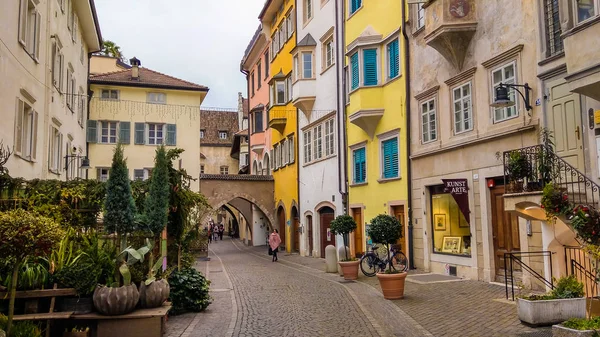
<point>387,230</point>
<point>189,291</point>
<point>343,225</point>
<point>83,275</point>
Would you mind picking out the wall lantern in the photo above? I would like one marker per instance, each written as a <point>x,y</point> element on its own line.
<point>490,183</point>
<point>502,99</point>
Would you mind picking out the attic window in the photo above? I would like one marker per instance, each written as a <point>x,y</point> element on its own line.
<point>222,134</point>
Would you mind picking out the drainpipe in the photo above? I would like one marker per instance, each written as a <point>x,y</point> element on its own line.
<point>89,100</point>
<point>341,108</point>
<point>408,144</point>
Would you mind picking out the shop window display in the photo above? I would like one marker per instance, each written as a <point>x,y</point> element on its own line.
<point>450,227</point>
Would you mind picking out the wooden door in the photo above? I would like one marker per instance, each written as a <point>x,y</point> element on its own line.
<point>564,120</point>
<point>309,224</point>
<point>281,217</point>
<point>296,234</point>
<point>358,233</point>
<point>326,218</point>
<point>505,228</point>
<point>398,213</point>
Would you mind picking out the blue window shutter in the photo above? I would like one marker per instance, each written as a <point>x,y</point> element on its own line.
<point>171,134</point>
<point>370,66</point>
<point>360,169</point>
<point>355,72</point>
<point>92,131</point>
<point>124,132</point>
<point>394,59</point>
<point>354,5</point>
<point>140,137</point>
<point>390,158</point>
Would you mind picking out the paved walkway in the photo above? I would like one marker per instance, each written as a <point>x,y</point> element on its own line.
<point>295,297</point>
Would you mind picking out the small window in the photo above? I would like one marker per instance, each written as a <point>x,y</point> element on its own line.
<point>102,173</point>
<point>252,83</point>
<point>138,174</point>
<point>359,159</point>
<point>266,64</point>
<point>57,65</point>
<point>354,5</point>
<point>202,169</point>
<point>307,146</point>
<point>81,107</point>
<point>222,134</point>
<point>328,53</point>
<point>505,74</point>
<point>308,10</point>
<point>30,21</point>
<point>26,130</point>
<point>420,16</point>
<point>259,72</point>
<point>463,112</point>
<point>157,98</point>
<point>258,121</point>
<point>393,59</point>
<point>291,153</point>
<point>428,121</point>
<point>155,134</point>
<point>110,94</point>
<point>56,146</point>
<point>202,133</point>
<point>280,92</point>
<point>108,132</point>
<point>389,158</point>
<point>290,24</point>
<point>224,170</point>
<point>585,9</point>
<point>307,71</point>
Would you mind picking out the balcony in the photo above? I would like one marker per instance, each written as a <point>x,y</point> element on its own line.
<point>304,95</point>
<point>449,28</point>
<point>583,65</point>
<point>278,118</point>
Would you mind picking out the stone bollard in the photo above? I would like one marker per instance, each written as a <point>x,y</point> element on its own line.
<point>331,259</point>
<point>342,256</point>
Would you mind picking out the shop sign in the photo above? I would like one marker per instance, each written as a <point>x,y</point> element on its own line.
<point>460,192</point>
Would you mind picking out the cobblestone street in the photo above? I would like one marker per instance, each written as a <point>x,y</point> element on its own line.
<point>254,297</point>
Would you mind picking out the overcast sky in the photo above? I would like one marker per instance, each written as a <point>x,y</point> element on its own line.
<point>201,41</point>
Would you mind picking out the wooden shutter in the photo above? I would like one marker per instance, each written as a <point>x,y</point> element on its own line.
<point>355,70</point>
<point>360,168</point>
<point>370,66</point>
<point>393,59</point>
<point>291,150</point>
<point>171,135</point>
<point>92,131</point>
<point>390,158</point>
<point>34,130</point>
<point>125,132</point>
<point>23,22</point>
<point>38,28</point>
<point>60,153</point>
<point>18,147</point>
<point>74,27</point>
<point>139,138</point>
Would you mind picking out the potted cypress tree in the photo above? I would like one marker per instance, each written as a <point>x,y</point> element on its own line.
<point>153,292</point>
<point>387,230</point>
<point>119,215</point>
<point>344,225</point>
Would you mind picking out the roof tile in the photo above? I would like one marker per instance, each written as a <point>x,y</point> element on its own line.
<point>147,77</point>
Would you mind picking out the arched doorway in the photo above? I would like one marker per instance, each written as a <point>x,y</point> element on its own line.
<point>309,225</point>
<point>281,223</point>
<point>266,165</point>
<point>255,168</point>
<point>295,230</point>
<point>260,169</point>
<point>326,215</point>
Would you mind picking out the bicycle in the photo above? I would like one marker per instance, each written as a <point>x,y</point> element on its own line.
<point>371,263</point>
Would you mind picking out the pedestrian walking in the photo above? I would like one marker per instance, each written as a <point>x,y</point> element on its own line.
<point>215,232</point>
<point>221,231</point>
<point>274,242</point>
<point>209,232</point>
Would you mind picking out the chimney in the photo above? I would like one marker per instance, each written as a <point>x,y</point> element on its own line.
<point>135,68</point>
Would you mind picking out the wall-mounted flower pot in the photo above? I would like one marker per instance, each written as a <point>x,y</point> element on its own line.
<point>561,331</point>
<point>392,285</point>
<point>349,269</point>
<point>548,312</point>
<point>116,301</point>
<point>155,294</point>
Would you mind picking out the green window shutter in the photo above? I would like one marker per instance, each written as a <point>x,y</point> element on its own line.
<point>393,59</point>
<point>125,132</point>
<point>355,72</point>
<point>140,130</point>
<point>390,158</point>
<point>360,168</point>
<point>92,131</point>
<point>370,66</point>
<point>171,134</point>
<point>354,5</point>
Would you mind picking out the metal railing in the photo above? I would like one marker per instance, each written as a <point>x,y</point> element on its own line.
<point>511,258</point>
<point>529,169</point>
<point>579,264</point>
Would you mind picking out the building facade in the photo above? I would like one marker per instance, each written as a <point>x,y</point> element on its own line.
<point>141,109</point>
<point>376,114</point>
<point>44,69</point>
<point>278,21</point>
<point>314,79</point>
<point>217,134</point>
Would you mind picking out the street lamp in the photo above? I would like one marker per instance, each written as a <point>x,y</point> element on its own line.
<point>502,100</point>
<point>85,162</point>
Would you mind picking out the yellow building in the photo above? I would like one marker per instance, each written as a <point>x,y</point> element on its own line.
<point>277,18</point>
<point>142,108</point>
<point>376,110</point>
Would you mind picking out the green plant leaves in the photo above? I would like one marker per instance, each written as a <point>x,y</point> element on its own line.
<point>124,270</point>
<point>189,291</point>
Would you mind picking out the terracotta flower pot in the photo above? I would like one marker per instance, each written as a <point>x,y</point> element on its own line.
<point>154,295</point>
<point>116,301</point>
<point>349,269</point>
<point>392,285</point>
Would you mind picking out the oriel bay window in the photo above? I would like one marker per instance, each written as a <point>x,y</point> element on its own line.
<point>364,68</point>
<point>281,91</point>
<point>449,214</point>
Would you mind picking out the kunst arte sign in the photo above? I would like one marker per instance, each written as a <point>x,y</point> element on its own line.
<point>460,192</point>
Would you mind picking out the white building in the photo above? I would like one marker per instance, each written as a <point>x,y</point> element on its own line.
<point>44,61</point>
<point>314,93</point>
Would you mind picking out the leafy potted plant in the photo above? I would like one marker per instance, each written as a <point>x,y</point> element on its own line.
<point>555,202</point>
<point>577,327</point>
<point>387,230</point>
<point>23,235</point>
<point>519,168</point>
<point>344,225</point>
<point>564,302</point>
<point>153,292</point>
<point>189,291</point>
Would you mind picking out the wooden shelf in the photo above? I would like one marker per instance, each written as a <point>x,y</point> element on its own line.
<point>138,313</point>
<point>44,316</point>
<point>41,293</point>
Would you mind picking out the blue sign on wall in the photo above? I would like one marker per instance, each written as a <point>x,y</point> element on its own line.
<point>369,241</point>
<point>288,222</point>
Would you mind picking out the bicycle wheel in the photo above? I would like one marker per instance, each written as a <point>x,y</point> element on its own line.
<point>368,264</point>
<point>399,262</point>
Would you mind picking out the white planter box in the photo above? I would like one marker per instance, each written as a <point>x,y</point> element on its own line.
<point>548,312</point>
<point>561,331</point>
